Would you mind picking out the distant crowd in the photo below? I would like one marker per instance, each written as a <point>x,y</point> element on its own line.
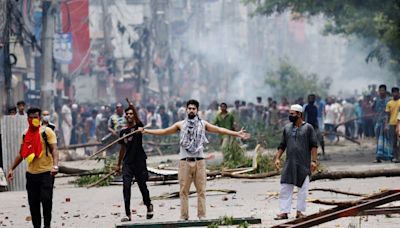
<point>356,117</point>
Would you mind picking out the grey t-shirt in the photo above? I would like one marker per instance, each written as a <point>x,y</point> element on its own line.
<point>182,151</point>
<point>298,143</point>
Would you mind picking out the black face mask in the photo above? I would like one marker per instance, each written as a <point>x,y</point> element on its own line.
<point>293,119</point>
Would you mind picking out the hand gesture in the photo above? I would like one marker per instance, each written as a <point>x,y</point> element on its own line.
<point>313,166</point>
<point>243,134</point>
<point>117,168</point>
<point>54,171</point>
<point>277,164</point>
<point>141,130</point>
<point>10,175</point>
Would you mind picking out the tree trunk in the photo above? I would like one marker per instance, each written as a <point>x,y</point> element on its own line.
<point>358,174</point>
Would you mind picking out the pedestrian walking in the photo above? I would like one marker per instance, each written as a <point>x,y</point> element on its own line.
<point>300,143</point>
<point>39,148</point>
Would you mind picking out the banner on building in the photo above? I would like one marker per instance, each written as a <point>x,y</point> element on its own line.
<point>62,49</point>
<point>75,20</point>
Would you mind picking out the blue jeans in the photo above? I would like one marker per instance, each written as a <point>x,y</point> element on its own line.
<point>330,128</point>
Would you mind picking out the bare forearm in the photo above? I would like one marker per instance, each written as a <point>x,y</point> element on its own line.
<point>387,119</point>
<point>314,154</point>
<point>225,131</point>
<point>121,156</point>
<point>16,162</point>
<point>55,154</point>
<point>278,154</point>
<point>166,131</point>
<point>155,131</point>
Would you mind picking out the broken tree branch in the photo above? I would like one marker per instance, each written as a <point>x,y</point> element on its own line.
<point>82,174</point>
<point>356,174</point>
<point>337,191</point>
<point>68,170</point>
<point>251,176</point>
<point>339,134</point>
<point>102,179</point>
<point>334,203</point>
<point>354,119</point>
<point>75,146</point>
<point>173,195</point>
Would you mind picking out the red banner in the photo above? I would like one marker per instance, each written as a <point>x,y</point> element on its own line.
<point>75,19</point>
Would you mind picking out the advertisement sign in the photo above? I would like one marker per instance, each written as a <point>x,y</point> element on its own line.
<point>62,50</point>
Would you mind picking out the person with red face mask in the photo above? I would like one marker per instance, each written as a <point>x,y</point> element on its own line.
<point>39,149</point>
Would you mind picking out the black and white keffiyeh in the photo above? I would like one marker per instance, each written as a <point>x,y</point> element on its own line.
<point>193,135</point>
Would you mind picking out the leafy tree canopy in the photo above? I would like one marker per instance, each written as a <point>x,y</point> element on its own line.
<point>288,81</point>
<point>375,21</point>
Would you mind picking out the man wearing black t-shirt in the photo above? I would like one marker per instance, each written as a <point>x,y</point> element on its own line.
<point>311,117</point>
<point>134,163</point>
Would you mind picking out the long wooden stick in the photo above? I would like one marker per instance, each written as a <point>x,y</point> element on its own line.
<point>75,146</point>
<point>354,119</point>
<point>176,194</point>
<point>115,141</point>
<point>334,203</point>
<point>129,103</point>
<point>251,176</point>
<point>336,191</point>
<point>337,134</point>
<point>112,143</point>
<point>102,179</point>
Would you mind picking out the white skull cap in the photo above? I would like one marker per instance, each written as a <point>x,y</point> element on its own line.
<point>296,107</point>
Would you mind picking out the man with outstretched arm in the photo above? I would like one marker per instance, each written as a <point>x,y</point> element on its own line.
<point>192,166</point>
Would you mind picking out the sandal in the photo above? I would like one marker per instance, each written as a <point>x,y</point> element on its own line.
<point>300,215</point>
<point>126,219</point>
<point>281,216</point>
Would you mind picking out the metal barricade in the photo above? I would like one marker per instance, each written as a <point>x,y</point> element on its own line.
<point>12,128</point>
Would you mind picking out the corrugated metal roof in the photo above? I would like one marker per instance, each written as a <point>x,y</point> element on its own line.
<point>12,128</point>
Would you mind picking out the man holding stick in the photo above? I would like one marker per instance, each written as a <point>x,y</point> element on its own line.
<point>134,163</point>
<point>192,166</point>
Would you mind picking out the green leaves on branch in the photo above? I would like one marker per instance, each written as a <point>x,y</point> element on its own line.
<point>376,22</point>
<point>289,82</point>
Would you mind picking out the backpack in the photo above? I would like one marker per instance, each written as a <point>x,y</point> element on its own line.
<point>44,137</point>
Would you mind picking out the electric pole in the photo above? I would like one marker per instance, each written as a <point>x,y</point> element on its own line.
<point>108,48</point>
<point>8,7</point>
<point>47,86</point>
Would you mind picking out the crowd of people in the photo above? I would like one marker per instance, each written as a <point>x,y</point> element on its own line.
<point>373,115</point>
<point>304,124</point>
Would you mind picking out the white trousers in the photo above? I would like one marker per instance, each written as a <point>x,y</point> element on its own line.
<point>285,196</point>
<point>67,133</point>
